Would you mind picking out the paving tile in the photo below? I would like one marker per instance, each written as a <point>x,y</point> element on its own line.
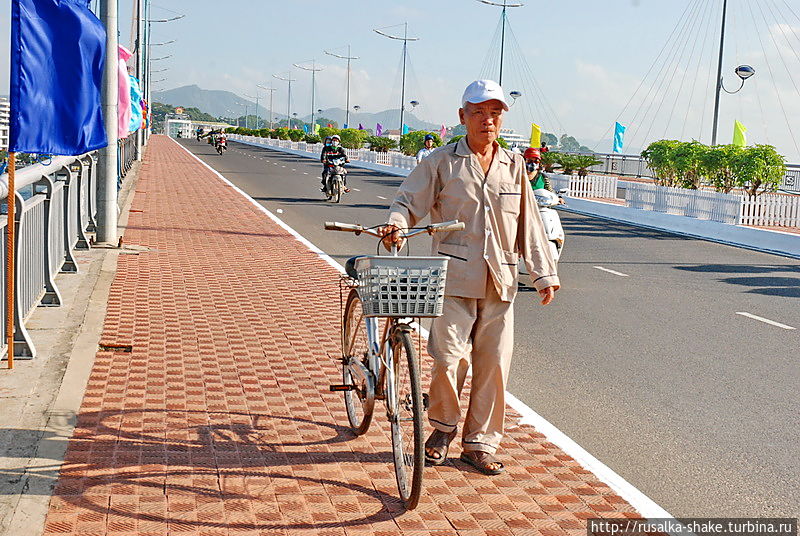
<point>216,423</point>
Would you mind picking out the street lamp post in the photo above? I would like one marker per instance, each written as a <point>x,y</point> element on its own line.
<point>405,39</point>
<point>256,98</point>
<point>505,5</point>
<point>347,102</point>
<point>289,96</point>
<point>314,70</point>
<point>271,91</point>
<point>743,72</point>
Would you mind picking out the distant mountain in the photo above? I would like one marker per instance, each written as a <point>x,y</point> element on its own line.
<point>226,104</point>
<point>215,102</point>
<point>389,119</point>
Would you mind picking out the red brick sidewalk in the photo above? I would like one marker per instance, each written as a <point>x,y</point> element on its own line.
<point>218,422</point>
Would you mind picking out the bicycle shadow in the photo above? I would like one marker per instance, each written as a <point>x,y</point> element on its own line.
<point>259,460</point>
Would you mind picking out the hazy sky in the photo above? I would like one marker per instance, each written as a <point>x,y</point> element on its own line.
<point>585,59</point>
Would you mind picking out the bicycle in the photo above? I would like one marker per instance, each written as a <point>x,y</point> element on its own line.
<point>398,289</point>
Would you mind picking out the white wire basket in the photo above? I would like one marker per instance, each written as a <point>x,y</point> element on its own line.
<point>401,286</point>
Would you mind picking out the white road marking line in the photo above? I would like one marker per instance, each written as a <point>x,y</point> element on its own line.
<point>381,197</point>
<point>356,190</point>
<point>294,169</point>
<point>612,271</point>
<point>765,320</point>
<point>641,502</point>
<point>305,173</point>
<point>279,211</point>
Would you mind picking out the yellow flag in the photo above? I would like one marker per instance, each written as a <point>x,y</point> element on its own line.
<point>536,135</point>
<point>739,134</point>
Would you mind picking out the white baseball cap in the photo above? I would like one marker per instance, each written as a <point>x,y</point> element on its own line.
<point>482,91</point>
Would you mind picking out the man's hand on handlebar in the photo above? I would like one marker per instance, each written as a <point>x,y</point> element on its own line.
<point>391,236</point>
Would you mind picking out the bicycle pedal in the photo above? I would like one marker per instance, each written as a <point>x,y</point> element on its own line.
<point>341,387</point>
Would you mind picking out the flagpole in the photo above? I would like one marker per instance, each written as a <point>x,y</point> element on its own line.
<point>109,158</point>
<point>10,238</point>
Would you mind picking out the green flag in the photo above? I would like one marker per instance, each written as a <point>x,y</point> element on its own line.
<point>739,134</point>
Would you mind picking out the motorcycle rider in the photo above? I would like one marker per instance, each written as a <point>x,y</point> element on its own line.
<point>329,152</point>
<point>537,177</point>
<point>427,149</point>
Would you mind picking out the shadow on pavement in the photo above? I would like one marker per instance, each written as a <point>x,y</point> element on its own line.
<point>250,457</point>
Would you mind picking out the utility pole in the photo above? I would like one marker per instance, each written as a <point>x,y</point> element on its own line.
<point>109,159</point>
<point>405,39</point>
<point>505,5</point>
<point>314,70</point>
<point>271,90</point>
<point>139,68</point>
<point>288,98</point>
<point>347,102</point>
<point>719,74</point>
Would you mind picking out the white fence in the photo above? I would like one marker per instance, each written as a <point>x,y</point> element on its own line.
<point>597,186</point>
<point>771,210</point>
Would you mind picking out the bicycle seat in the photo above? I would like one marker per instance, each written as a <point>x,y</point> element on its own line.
<point>350,266</point>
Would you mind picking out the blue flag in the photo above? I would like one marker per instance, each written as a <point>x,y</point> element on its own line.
<point>305,128</point>
<point>57,56</point>
<point>619,137</point>
<point>344,126</point>
<point>405,129</point>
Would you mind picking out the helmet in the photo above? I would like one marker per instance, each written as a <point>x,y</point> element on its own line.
<point>336,137</point>
<point>532,152</point>
<point>429,137</point>
<point>327,140</point>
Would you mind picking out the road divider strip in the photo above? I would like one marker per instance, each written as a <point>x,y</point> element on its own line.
<point>645,506</point>
<point>765,320</point>
<point>612,271</point>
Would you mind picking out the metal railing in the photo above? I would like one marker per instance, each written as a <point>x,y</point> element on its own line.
<point>127,154</point>
<point>56,207</point>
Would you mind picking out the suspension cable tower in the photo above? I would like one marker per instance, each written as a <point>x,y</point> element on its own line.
<point>505,5</point>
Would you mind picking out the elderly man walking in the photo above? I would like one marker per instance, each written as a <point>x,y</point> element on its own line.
<point>477,182</point>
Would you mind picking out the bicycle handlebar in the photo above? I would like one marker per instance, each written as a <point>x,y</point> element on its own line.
<point>447,226</point>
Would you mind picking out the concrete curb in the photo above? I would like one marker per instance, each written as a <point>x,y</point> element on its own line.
<point>774,242</point>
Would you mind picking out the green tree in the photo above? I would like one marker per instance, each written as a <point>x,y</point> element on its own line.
<point>717,165</point>
<point>549,160</point>
<point>412,142</point>
<point>503,143</point>
<point>583,162</point>
<point>550,139</point>
<point>567,162</point>
<point>380,143</point>
<point>687,161</point>
<point>759,169</point>
<point>659,156</point>
<point>326,132</point>
<point>568,144</point>
<point>352,138</point>
<point>282,133</point>
<point>455,139</point>
<point>296,134</point>
<point>312,138</point>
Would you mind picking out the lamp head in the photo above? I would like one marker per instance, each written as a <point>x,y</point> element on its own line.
<point>414,103</point>
<point>745,71</point>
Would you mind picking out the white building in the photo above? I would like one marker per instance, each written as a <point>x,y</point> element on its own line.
<point>5,112</point>
<point>513,139</point>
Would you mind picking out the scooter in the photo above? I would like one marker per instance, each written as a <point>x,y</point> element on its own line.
<point>334,185</point>
<point>222,145</point>
<point>552,222</point>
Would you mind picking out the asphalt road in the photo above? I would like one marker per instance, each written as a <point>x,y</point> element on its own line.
<point>650,369</point>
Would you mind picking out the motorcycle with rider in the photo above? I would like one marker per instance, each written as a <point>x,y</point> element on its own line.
<point>334,175</point>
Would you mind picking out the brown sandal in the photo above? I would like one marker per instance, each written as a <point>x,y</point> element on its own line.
<point>439,442</point>
<point>482,461</point>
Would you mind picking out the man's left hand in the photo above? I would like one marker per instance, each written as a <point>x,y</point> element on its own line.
<point>547,294</point>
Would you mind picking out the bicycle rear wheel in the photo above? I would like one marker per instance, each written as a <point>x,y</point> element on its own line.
<point>407,442</point>
<point>360,400</point>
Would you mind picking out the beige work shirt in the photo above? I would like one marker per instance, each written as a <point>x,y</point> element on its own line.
<point>502,221</point>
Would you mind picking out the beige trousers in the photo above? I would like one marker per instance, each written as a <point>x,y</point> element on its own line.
<point>479,332</point>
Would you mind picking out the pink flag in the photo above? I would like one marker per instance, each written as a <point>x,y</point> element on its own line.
<point>442,132</point>
<point>124,102</point>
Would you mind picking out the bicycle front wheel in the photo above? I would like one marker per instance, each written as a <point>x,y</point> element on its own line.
<point>360,400</point>
<point>407,442</point>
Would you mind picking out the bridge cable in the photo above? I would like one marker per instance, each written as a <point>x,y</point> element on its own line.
<point>707,21</point>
